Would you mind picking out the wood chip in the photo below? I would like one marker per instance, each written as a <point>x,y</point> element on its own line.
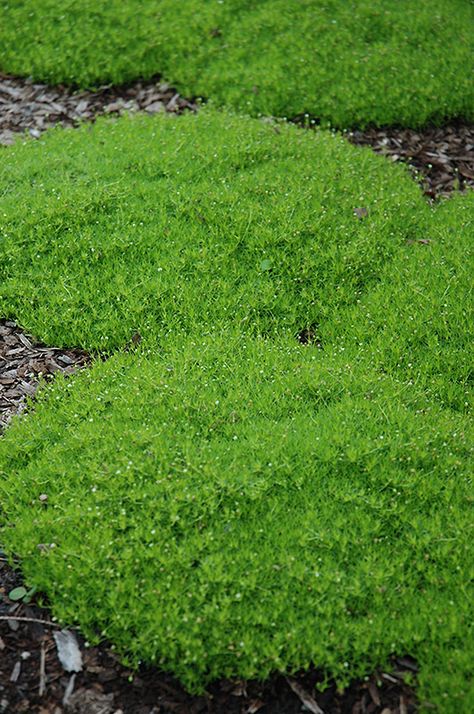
<point>373,691</point>
<point>42,673</point>
<point>15,672</point>
<point>305,698</point>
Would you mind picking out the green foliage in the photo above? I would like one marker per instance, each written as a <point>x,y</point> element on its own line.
<point>347,63</point>
<point>159,225</point>
<point>21,593</point>
<point>419,319</point>
<point>224,500</point>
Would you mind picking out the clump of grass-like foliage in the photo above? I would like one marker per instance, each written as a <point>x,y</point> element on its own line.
<point>224,500</point>
<point>347,63</point>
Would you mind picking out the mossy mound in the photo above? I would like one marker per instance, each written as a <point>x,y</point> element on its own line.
<point>346,63</point>
<point>161,225</point>
<point>225,500</point>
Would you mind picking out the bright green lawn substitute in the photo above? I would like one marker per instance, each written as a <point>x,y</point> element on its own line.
<point>231,507</point>
<point>419,319</point>
<point>348,63</point>
<point>226,501</point>
<point>159,225</point>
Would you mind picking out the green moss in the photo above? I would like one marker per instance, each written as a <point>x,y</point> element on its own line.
<point>159,225</point>
<point>226,501</point>
<point>347,63</point>
<point>233,506</point>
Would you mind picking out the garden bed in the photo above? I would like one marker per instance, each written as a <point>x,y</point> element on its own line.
<point>339,247</point>
<point>264,466</point>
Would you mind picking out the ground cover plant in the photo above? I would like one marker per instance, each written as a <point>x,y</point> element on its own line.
<point>278,473</point>
<point>102,200</point>
<point>348,63</point>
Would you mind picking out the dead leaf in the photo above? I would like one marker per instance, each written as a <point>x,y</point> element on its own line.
<point>374,693</point>
<point>361,212</point>
<point>68,651</point>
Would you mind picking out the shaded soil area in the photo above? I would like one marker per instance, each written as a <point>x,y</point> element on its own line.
<point>442,158</point>
<point>33,679</point>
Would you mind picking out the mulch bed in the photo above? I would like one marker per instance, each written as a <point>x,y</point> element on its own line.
<point>29,108</point>
<point>442,158</point>
<point>32,678</point>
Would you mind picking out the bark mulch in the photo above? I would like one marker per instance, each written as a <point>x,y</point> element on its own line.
<point>24,364</point>
<point>27,107</point>
<point>443,157</point>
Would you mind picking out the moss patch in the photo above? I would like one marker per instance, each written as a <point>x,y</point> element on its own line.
<point>225,500</point>
<point>347,63</point>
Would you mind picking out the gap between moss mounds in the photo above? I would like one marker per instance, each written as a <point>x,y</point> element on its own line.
<point>442,158</point>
